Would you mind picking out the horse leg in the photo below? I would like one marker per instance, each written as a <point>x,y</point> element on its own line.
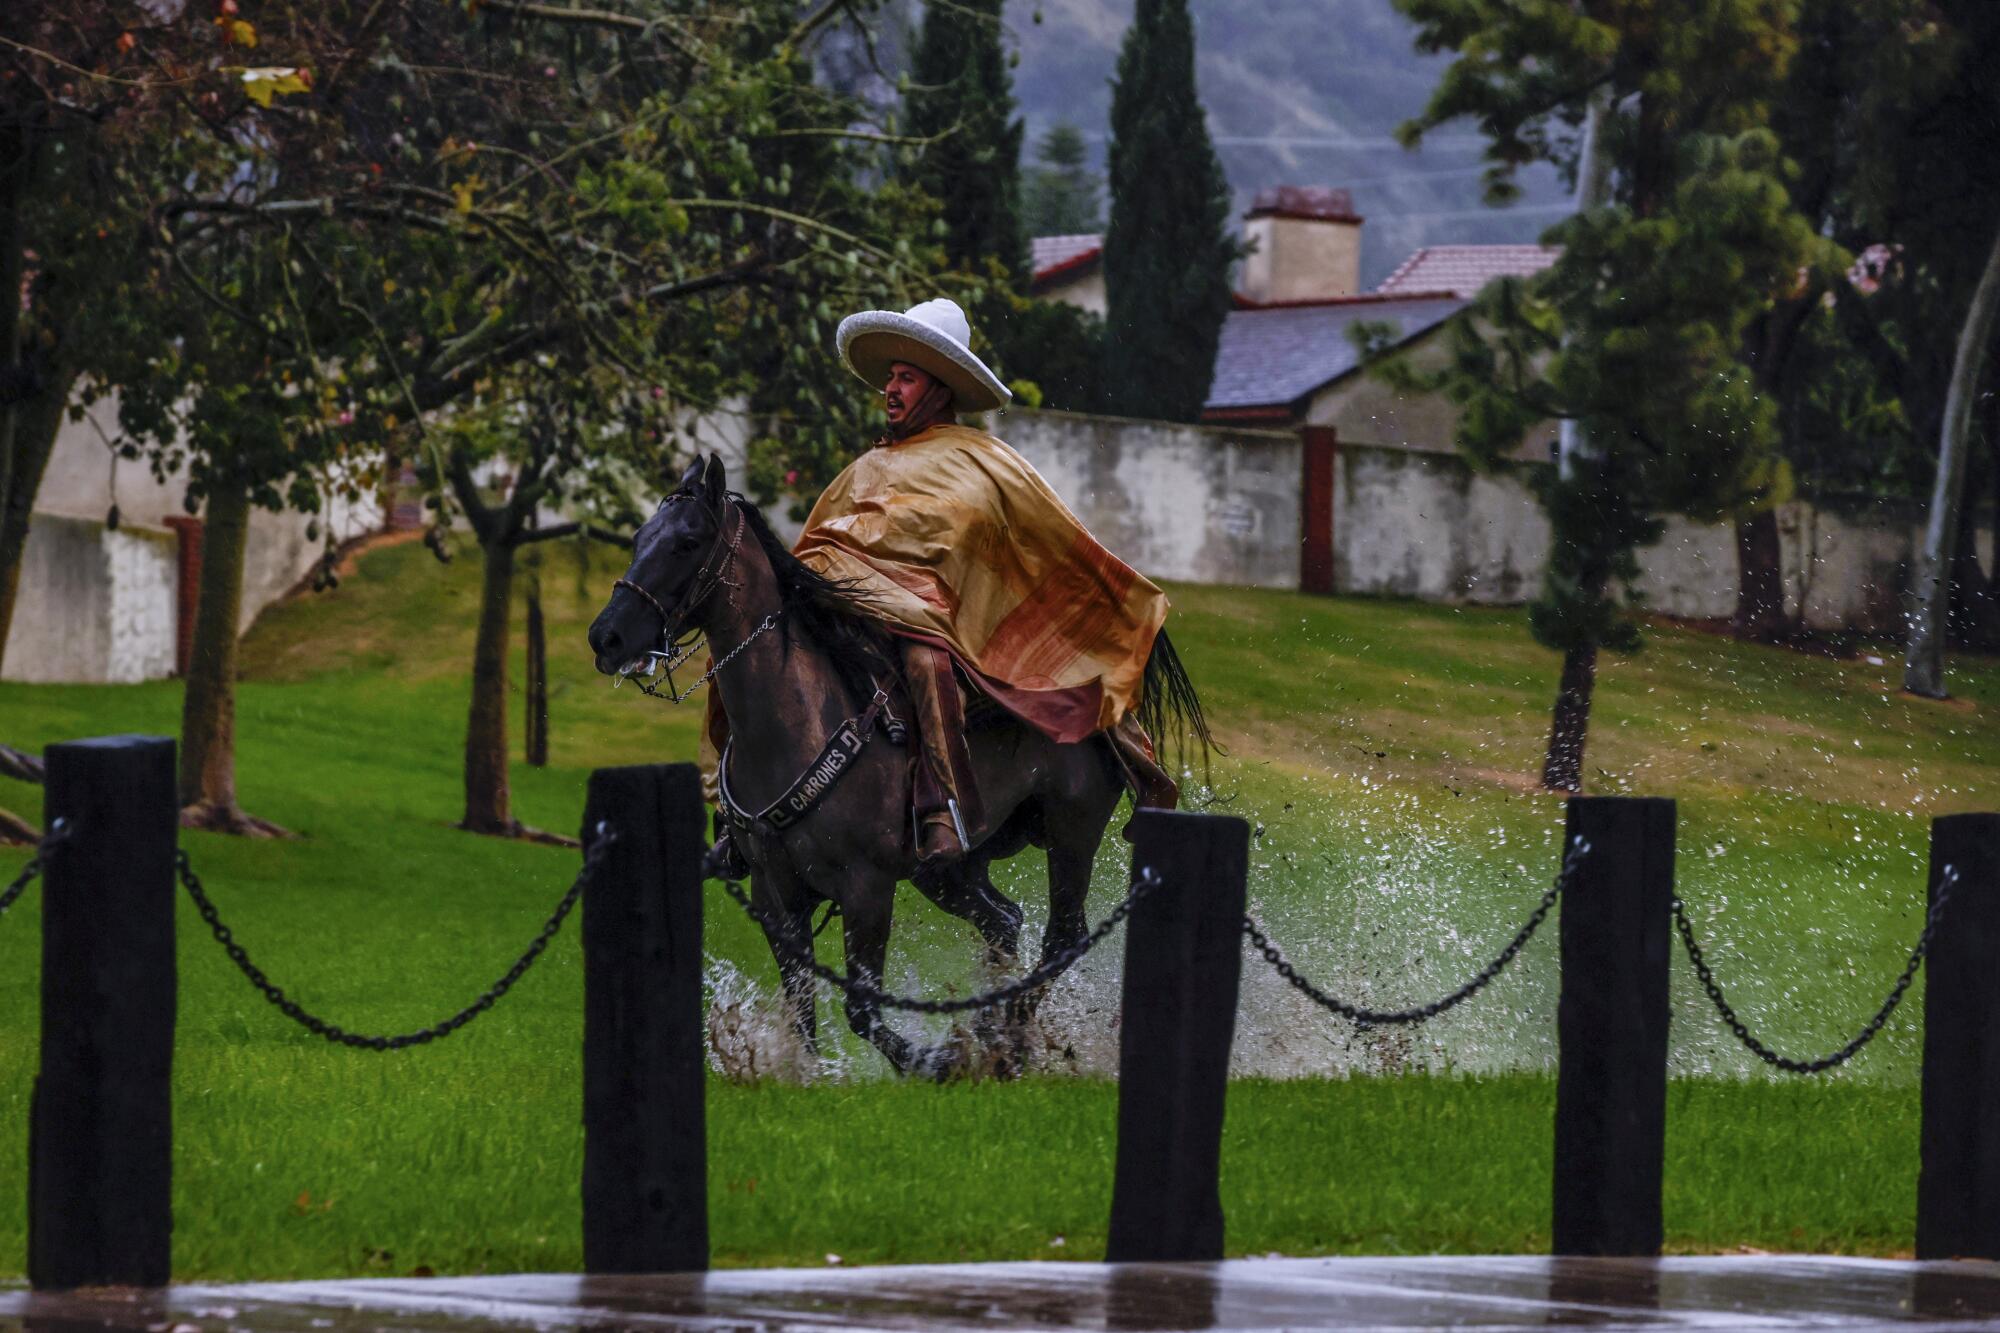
<point>864,925</point>
<point>1075,828</point>
<point>967,891</point>
<point>801,1004</point>
<point>787,929</point>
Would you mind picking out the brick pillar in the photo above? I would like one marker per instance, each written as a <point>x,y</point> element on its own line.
<point>187,587</point>
<point>1320,448</point>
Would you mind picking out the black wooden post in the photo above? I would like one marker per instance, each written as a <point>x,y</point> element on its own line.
<point>1958,1179</point>
<point>1611,1027</point>
<point>645,1138</point>
<point>100,1130</point>
<point>1183,963</point>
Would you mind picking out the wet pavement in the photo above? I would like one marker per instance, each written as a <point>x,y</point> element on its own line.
<point>1760,1292</point>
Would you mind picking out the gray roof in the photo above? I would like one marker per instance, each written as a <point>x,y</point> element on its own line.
<point>1277,355</point>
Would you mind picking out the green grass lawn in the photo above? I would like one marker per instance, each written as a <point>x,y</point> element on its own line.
<point>1384,750</point>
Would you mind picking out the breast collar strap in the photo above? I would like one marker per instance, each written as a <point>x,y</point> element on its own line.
<point>832,763</point>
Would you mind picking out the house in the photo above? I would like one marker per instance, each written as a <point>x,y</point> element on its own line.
<point>1288,356</point>
<point>1069,269</point>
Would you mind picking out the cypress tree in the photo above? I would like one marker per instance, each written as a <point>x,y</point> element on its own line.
<point>1167,251</point>
<point>964,99</point>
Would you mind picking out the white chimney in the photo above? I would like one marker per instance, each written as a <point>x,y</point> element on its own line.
<point>1306,245</point>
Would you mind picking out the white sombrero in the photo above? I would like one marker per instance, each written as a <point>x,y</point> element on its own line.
<point>933,336</point>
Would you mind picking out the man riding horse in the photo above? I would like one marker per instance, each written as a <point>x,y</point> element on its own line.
<point>982,574</point>
<point>937,566</point>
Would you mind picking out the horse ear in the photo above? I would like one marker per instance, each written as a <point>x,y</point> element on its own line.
<point>691,479</point>
<point>714,481</point>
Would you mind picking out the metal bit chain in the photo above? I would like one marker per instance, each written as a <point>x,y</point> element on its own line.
<point>1143,883</point>
<point>57,835</point>
<point>682,696</point>
<point>1862,1038</point>
<point>1368,1018</point>
<point>319,1027</point>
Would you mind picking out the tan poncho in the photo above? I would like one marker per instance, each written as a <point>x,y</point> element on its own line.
<point>953,537</point>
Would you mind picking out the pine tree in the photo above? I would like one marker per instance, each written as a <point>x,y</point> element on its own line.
<point>1637,332</point>
<point>1062,195</point>
<point>1167,251</point>
<point>964,101</point>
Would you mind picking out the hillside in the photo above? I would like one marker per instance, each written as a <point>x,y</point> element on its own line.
<point>1298,92</point>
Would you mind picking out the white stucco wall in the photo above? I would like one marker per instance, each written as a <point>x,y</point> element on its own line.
<point>81,584</point>
<point>1212,505</point>
<point>141,564</point>
<point>1197,503</point>
<point>1425,525</point>
<point>95,606</point>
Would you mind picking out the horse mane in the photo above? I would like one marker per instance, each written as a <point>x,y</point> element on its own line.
<point>862,650</point>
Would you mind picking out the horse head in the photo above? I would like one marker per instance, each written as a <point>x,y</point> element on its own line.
<point>673,555</point>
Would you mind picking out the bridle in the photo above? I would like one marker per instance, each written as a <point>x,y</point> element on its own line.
<point>841,749</point>
<point>676,644</point>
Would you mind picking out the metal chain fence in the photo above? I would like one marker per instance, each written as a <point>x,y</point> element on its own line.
<point>332,1032</point>
<point>1867,1034</point>
<point>57,835</point>
<point>783,935</point>
<point>1425,1012</point>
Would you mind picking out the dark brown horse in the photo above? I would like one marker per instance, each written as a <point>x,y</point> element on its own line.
<point>795,660</point>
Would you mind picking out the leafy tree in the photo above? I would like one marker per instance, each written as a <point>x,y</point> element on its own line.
<point>962,107</point>
<point>1852,70</point>
<point>255,411</point>
<point>565,231</point>
<point>1636,332</point>
<point>83,94</point>
<point>1167,250</point>
<point>1063,196</point>
<point>1053,347</point>
<point>101,107</point>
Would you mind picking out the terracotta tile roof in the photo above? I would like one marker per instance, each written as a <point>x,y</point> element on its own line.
<point>1058,256</point>
<point>1272,357</point>
<point>1463,269</point>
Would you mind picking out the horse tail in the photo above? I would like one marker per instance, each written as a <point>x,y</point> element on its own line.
<point>1168,705</point>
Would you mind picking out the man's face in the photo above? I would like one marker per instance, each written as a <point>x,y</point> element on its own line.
<point>906,386</point>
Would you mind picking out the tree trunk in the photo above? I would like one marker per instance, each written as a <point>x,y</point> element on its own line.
<point>1760,580</point>
<point>487,808</point>
<point>17,162</point>
<point>208,704</point>
<point>537,721</point>
<point>1562,768</point>
<point>37,422</point>
<point>1923,659</point>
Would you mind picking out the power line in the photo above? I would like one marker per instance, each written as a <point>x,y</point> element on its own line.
<point>1370,144</point>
